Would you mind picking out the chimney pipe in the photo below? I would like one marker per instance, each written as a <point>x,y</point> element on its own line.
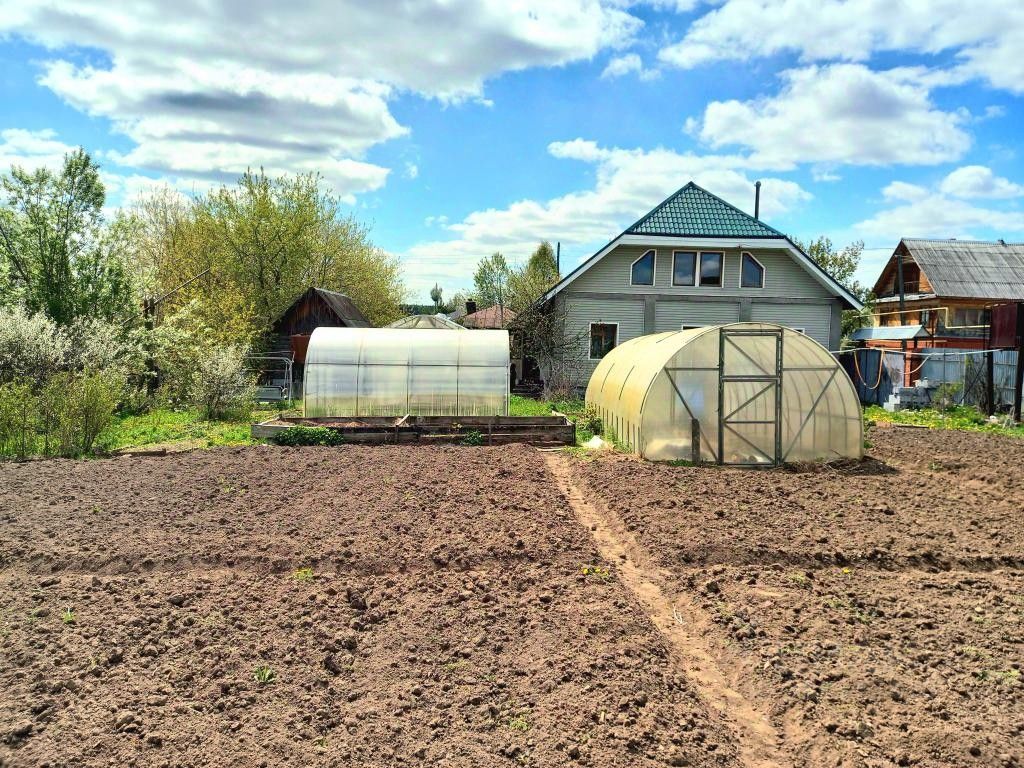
<point>558,258</point>
<point>757,200</point>
<point>470,307</point>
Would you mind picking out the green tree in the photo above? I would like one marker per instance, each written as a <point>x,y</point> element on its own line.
<point>842,265</point>
<point>56,255</point>
<point>258,245</point>
<point>491,281</point>
<point>531,281</point>
<point>437,296</point>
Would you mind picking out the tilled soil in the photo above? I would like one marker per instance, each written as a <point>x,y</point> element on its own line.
<point>876,610</point>
<point>351,606</point>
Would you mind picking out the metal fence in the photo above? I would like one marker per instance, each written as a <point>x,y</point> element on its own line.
<point>965,370</point>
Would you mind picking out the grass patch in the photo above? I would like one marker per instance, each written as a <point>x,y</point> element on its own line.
<point>264,675</point>
<point>962,417</point>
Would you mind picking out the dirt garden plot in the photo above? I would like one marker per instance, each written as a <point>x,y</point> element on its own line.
<point>467,606</point>
<point>874,611</point>
<point>353,606</point>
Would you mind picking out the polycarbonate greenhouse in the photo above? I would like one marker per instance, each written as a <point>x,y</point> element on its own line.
<point>749,393</point>
<point>395,371</point>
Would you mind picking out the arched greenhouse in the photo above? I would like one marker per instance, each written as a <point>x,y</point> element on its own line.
<point>744,393</point>
<point>395,371</point>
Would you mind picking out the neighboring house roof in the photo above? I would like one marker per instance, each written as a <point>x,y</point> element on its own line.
<point>968,269</point>
<point>338,303</point>
<point>891,333</point>
<point>489,317</point>
<point>694,213</point>
<point>435,322</point>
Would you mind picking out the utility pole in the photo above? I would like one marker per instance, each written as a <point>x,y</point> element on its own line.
<point>1018,379</point>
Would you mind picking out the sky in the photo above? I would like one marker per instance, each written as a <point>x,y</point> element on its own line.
<point>457,128</point>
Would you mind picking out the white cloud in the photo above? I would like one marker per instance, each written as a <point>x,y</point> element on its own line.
<point>629,182</point>
<point>838,114</point>
<point>32,149</point>
<point>210,89</point>
<point>411,170</point>
<point>901,190</point>
<point>630,62</point>
<point>985,36</point>
<point>972,181</point>
<point>924,212</point>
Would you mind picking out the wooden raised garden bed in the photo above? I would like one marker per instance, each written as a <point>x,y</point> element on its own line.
<point>482,430</point>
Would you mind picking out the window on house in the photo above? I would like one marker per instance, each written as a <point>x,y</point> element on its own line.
<point>603,338</point>
<point>684,268</point>
<point>642,272</point>
<point>751,272</point>
<point>711,269</point>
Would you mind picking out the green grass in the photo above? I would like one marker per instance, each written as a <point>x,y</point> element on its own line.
<point>958,417</point>
<point>525,406</point>
<point>168,428</point>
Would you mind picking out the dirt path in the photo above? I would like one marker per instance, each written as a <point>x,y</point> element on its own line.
<point>681,622</point>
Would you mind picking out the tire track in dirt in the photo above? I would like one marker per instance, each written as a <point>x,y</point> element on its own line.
<point>756,738</point>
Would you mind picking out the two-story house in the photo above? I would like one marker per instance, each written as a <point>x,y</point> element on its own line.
<point>694,260</point>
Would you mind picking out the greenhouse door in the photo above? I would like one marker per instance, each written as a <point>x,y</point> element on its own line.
<point>750,397</point>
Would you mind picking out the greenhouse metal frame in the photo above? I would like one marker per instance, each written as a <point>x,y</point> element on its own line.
<point>745,394</point>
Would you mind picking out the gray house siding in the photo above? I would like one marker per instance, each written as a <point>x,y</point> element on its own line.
<point>814,319</point>
<point>603,294</point>
<point>673,314</point>
<point>784,278</point>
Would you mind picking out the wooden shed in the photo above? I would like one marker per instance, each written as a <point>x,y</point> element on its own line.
<point>315,308</point>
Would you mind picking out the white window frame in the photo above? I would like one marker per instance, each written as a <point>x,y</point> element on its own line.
<point>696,269</point>
<point>764,273</point>
<point>721,267</point>
<point>590,338</point>
<point>654,269</point>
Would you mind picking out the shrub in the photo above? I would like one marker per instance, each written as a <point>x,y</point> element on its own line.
<point>221,385</point>
<point>74,409</point>
<point>309,436</point>
<point>32,347</point>
<point>590,420</point>
<point>17,419</point>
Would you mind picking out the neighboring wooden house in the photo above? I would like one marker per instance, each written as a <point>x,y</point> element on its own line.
<point>316,307</point>
<point>695,260</point>
<point>948,288</point>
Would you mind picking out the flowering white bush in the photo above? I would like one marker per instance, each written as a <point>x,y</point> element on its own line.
<point>222,385</point>
<point>32,347</point>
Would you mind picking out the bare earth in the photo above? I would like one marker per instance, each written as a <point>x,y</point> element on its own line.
<point>506,606</point>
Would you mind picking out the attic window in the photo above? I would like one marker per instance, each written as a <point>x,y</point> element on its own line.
<point>711,269</point>
<point>684,268</point>
<point>752,272</point>
<point>642,272</point>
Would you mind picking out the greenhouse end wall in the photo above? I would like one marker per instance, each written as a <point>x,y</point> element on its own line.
<point>760,394</point>
<point>394,372</point>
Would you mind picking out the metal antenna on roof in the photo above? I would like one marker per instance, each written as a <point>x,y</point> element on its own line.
<point>757,200</point>
<point>558,258</point>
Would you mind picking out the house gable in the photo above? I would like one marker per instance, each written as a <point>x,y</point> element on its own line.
<point>693,219</point>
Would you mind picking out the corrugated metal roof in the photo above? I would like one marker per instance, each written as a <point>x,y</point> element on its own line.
<point>971,269</point>
<point>890,333</point>
<point>695,212</point>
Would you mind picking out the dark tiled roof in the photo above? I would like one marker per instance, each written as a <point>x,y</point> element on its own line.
<point>695,212</point>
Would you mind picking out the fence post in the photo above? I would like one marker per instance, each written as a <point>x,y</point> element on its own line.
<point>990,382</point>
<point>1018,383</point>
<point>695,441</point>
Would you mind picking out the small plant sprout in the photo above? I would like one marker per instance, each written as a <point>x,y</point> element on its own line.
<point>303,574</point>
<point>264,675</point>
<point>520,722</point>
<point>68,615</point>
<point>598,572</point>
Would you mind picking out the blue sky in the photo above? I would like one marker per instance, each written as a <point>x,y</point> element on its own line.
<point>462,127</point>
